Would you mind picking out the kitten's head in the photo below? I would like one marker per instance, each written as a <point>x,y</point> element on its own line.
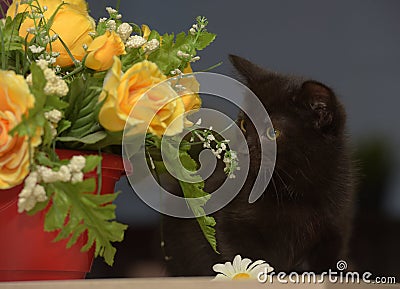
<point>308,122</point>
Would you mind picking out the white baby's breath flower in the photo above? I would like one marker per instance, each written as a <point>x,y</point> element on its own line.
<point>176,72</point>
<point>53,116</point>
<point>47,175</point>
<point>223,146</point>
<point>46,39</point>
<point>151,45</point>
<point>42,64</point>
<point>64,174</point>
<point>25,193</point>
<point>101,20</point>
<point>31,193</point>
<point>111,25</point>
<point>55,84</point>
<point>36,49</point>
<point>135,41</point>
<point>31,30</point>
<point>179,87</point>
<point>192,31</point>
<point>77,164</point>
<point>53,130</point>
<point>182,54</point>
<point>55,54</point>
<point>36,15</point>
<point>241,269</point>
<point>194,59</point>
<point>31,180</point>
<point>111,10</point>
<point>40,193</point>
<point>26,204</point>
<point>124,31</point>
<point>210,137</point>
<point>77,178</point>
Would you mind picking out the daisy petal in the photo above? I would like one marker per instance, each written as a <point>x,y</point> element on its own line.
<point>221,277</point>
<point>245,263</point>
<point>255,264</point>
<point>230,271</point>
<point>263,268</point>
<point>237,263</point>
<point>219,268</point>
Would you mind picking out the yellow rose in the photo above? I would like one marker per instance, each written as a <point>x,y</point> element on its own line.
<point>72,24</point>
<point>189,95</point>
<point>189,92</point>
<point>124,91</point>
<point>15,101</point>
<point>103,49</point>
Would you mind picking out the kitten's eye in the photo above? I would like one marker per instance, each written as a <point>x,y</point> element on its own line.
<point>272,133</point>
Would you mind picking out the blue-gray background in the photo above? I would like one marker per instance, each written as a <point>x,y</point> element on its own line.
<point>352,46</point>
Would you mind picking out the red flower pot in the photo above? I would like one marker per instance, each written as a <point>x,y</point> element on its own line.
<point>28,252</point>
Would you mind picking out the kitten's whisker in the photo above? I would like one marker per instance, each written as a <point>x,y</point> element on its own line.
<point>276,190</point>
<point>285,172</point>
<point>304,175</point>
<point>284,184</point>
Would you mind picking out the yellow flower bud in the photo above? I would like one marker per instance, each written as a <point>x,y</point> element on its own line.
<point>103,49</point>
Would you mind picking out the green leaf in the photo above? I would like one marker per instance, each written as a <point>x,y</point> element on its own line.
<point>56,215</point>
<point>154,35</point>
<point>86,212</point>
<point>83,99</point>
<point>179,162</point>
<point>89,139</point>
<point>63,125</point>
<point>196,198</point>
<point>43,160</point>
<point>54,102</point>
<point>92,162</point>
<point>204,39</point>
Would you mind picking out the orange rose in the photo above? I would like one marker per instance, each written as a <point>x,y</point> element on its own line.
<point>103,49</point>
<point>15,101</point>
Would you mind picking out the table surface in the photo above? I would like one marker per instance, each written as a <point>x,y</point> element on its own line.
<point>174,283</point>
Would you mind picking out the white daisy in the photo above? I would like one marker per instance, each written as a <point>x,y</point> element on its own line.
<point>241,269</point>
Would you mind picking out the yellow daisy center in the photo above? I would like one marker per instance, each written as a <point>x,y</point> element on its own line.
<point>241,276</point>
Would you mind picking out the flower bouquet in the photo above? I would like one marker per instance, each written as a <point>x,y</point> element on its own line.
<point>69,82</point>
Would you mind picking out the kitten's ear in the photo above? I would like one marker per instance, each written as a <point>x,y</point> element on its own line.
<point>328,113</point>
<point>250,71</point>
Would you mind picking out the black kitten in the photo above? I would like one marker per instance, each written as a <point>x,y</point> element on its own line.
<point>302,221</point>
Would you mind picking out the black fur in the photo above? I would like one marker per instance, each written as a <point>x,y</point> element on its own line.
<point>302,221</point>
